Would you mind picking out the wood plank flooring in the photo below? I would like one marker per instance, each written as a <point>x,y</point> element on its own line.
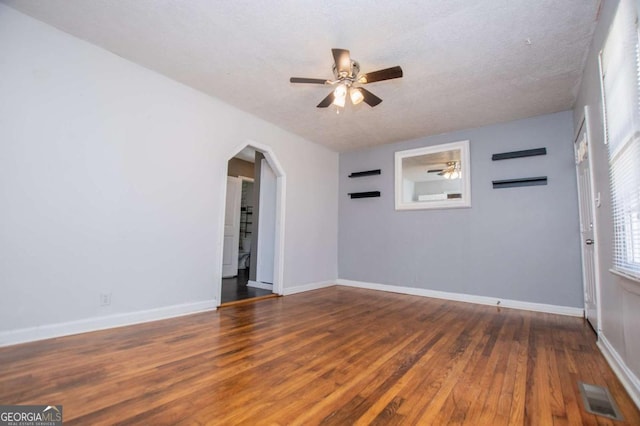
<point>333,357</point>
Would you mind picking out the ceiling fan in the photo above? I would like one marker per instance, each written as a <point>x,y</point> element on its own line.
<point>347,78</point>
<point>451,171</point>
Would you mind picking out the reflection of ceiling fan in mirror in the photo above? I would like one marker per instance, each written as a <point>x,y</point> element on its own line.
<point>347,80</point>
<point>451,171</point>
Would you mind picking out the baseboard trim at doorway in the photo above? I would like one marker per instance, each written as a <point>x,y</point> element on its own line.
<point>260,284</point>
<point>309,287</point>
<point>248,300</point>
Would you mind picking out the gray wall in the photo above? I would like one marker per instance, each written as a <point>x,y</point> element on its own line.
<point>619,307</point>
<point>518,243</point>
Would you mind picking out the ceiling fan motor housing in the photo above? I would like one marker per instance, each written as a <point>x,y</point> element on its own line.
<point>353,72</point>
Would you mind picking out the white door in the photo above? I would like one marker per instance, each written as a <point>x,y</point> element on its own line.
<point>231,228</point>
<point>266,224</point>
<point>585,199</point>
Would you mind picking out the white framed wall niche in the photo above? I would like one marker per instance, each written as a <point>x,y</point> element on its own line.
<point>433,177</point>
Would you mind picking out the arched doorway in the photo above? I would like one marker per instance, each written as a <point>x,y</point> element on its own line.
<point>267,246</point>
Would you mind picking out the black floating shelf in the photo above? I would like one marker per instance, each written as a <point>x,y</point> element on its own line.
<point>519,154</point>
<point>368,194</point>
<point>365,173</point>
<point>513,183</point>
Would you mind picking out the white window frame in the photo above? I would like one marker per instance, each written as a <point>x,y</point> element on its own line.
<point>624,153</point>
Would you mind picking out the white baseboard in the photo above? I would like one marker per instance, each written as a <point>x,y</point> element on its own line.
<point>469,298</point>
<point>309,287</point>
<point>629,380</point>
<point>31,334</point>
<point>260,284</point>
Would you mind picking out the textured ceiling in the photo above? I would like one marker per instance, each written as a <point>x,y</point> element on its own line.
<point>466,63</point>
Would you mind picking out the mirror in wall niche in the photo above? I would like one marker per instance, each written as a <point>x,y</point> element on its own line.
<point>433,177</point>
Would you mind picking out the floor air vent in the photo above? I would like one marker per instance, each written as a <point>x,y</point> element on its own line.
<point>598,400</point>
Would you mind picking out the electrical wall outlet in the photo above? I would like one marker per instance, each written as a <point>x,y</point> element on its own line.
<point>105,299</point>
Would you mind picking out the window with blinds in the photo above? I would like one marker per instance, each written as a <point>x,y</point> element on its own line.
<point>620,74</point>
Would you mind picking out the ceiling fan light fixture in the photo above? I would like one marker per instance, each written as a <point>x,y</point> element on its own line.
<point>340,95</point>
<point>452,171</point>
<point>356,95</point>
<point>340,91</point>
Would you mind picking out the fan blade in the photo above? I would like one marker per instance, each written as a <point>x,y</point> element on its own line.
<point>342,59</point>
<point>385,74</point>
<point>326,101</point>
<point>370,98</point>
<point>307,80</point>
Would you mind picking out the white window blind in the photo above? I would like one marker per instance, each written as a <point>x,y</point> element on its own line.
<point>620,83</point>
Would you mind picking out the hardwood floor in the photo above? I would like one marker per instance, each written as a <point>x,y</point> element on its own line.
<point>332,356</point>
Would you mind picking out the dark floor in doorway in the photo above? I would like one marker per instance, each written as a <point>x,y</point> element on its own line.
<point>236,288</point>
